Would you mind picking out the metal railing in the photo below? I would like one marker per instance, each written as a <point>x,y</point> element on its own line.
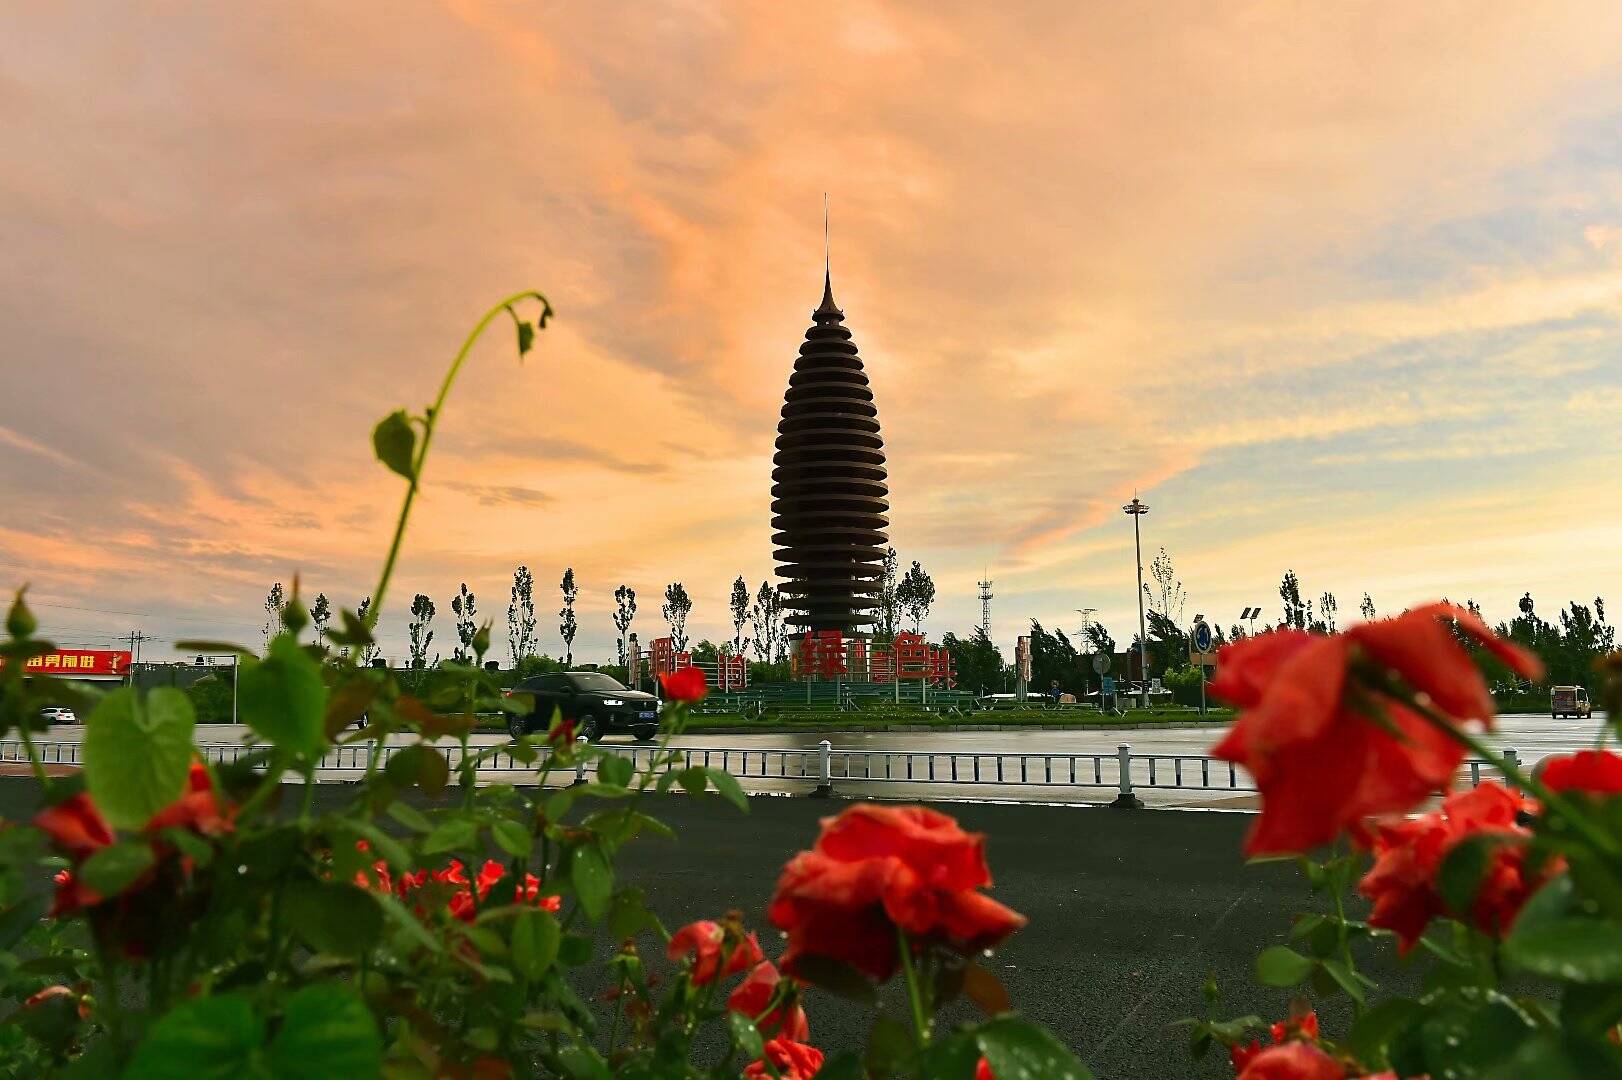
<point>826,767</point>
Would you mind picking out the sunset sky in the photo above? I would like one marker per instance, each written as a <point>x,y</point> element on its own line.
<point>1336,288</point>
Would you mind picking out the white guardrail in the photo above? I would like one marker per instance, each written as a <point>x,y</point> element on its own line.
<point>826,767</point>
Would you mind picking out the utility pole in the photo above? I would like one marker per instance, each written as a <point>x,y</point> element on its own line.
<point>1087,614</point>
<point>1136,509</point>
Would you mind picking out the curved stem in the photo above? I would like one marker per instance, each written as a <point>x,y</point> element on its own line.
<point>915,997</point>
<point>1552,801</point>
<point>430,421</point>
<point>33,758</point>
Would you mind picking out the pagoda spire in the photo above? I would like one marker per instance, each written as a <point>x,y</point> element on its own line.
<point>827,311</point>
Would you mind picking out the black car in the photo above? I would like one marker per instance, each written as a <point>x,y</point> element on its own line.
<point>598,704</point>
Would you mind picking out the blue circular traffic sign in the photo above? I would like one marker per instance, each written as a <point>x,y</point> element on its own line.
<point>1202,637</point>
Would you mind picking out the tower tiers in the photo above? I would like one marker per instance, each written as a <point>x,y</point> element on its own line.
<point>829,492</point>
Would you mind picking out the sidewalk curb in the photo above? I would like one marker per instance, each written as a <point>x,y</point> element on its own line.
<point>778,729</point>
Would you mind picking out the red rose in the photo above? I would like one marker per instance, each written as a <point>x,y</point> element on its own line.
<point>1292,1061</point>
<point>875,868</point>
<point>1408,855</point>
<point>793,1061</point>
<point>705,941</point>
<point>75,826</point>
<point>688,684</point>
<point>1304,734</point>
<point>1304,1027</point>
<point>982,1070</point>
<point>752,996</point>
<point>1597,772</point>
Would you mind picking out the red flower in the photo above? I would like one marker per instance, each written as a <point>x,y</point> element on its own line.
<point>1242,1054</point>
<point>75,826</point>
<point>1304,1027</point>
<point>1292,1061</point>
<point>705,941</point>
<point>197,809</point>
<point>982,1070</point>
<point>752,996</point>
<point>1304,735</point>
<point>1408,855</point>
<point>875,868</point>
<point>1597,772</point>
<point>793,1060</point>
<point>688,684</point>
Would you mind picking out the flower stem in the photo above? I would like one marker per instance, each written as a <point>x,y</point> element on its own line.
<point>1552,801</point>
<point>374,611</point>
<point>915,997</point>
<point>33,757</point>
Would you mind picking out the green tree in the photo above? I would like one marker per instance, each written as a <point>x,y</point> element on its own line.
<point>739,603</point>
<point>767,622</point>
<point>1054,660</point>
<point>275,601</point>
<point>1297,612</point>
<point>368,652</point>
<point>465,607</point>
<point>1168,597</point>
<point>1168,644</point>
<point>521,616</point>
<point>567,625</point>
<point>889,603</point>
<point>1367,607</point>
<point>320,615</point>
<point>979,664</point>
<point>678,605</point>
<point>915,595</point>
<point>624,613</point>
<point>422,613</point>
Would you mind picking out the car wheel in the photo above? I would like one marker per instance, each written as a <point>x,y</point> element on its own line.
<point>646,734</point>
<point>589,729</point>
<point>517,727</point>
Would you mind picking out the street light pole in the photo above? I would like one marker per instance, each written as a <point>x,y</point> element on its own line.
<point>1136,508</point>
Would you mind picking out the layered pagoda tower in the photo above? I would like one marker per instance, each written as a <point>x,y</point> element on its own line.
<point>829,494</point>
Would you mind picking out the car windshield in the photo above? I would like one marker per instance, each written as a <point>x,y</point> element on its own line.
<point>593,680</point>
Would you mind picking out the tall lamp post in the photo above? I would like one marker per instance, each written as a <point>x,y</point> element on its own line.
<point>1137,508</point>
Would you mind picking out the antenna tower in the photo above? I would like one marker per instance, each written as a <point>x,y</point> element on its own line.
<point>985,607</point>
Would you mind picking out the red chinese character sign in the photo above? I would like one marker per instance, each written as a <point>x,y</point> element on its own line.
<point>80,663</point>
<point>820,653</point>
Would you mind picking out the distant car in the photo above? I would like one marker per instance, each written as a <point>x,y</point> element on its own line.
<point>598,704</point>
<point>1570,701</point>
<point>58,714</point>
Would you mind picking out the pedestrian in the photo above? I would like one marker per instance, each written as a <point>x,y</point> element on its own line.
<point>1054,692</point>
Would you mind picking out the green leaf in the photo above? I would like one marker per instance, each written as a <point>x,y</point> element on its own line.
<point>1375,1029</point>
<point>283,699</point>
<point>113,869</point>
<point>535,941</point>
<point>1570,950</point>
<point>214,1038</point>
<point>395,441</point>
<point>20,622</point>
<point>1282,966</point>
<point>693,779</point>
<point>407,923</point>
<point>352,632</point>
<point>593,879</point>
<point>512,837</point>
<point>452,834</point>
<point>410,817</point>
<point>1463,869</point>
<point>383,845</point>
<point>574,950</point>
<point>890,1046</point>
<point>728,787</point>
<point>581,1062</point>
<point>333,917</point>
<point>615,770</point>
<point>746,1037</point>
<point>419,764</point>
<point>526,337</point>
<point>986,990</point>
<point>137,753</point>
<point>1017,1049</point>
<point>327,1033</point>
<point>1345,978</point>
<point>629,914</point>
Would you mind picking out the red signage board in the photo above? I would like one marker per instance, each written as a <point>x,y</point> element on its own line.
<point>105,663</point>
